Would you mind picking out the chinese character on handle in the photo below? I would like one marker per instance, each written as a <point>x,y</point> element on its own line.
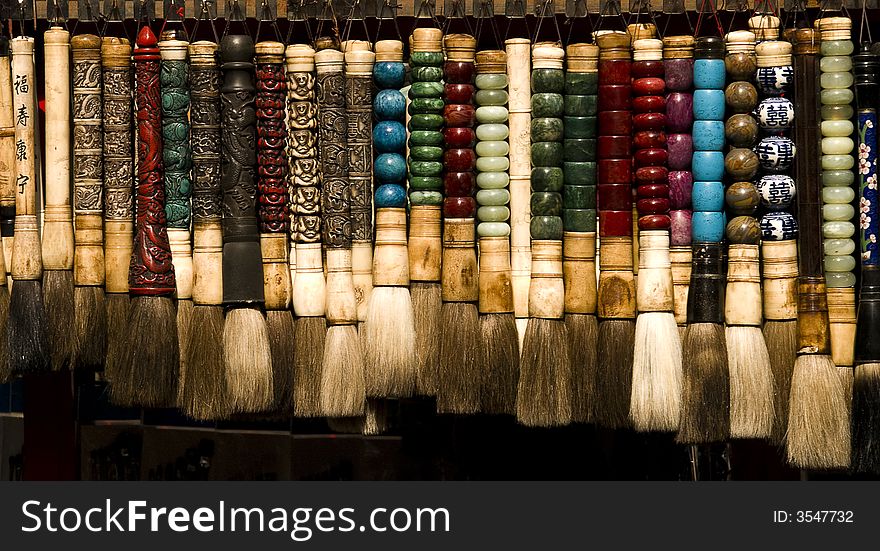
<point>22,182</point>
<point>21,84</point>
<point>20,150</point>
<point>22,117</point>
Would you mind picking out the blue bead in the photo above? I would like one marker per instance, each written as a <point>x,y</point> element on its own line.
<point>778,226</point>
<point>707,226</point>
<point>389,74</point>
<point>709,74</point>
<point>389,136</point>
<point>708,135</point>
<point>389,105</point>
<point>707,196</point>
<point>708,166</point>
<point>390,196</point>
<point>390,168</point>
<point>709,105</point>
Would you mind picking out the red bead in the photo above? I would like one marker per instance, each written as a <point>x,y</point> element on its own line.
<point>654,222</point>
<point>651,175</point>
<point>459,115</point>
<point>649,121</point>
<point>614,197</point>
<point>649,104</point>
<point>459,207</point>
<point>459,184</point>
<point>615,223</point>
<point>649,138</point>
<point>613,147</point>
<point>650,157</point>
<point>614,171</point>
<point>615,71</point>
<point>649,191</point>
<point>459,138</point>
<point>647,68</point>
<point>615,123</point>
<point>459,72</point>
<point>654,205</point>
<point>648,86</point>
<point>458,93</point>
<point>614,97</point>
<point>459,160</point>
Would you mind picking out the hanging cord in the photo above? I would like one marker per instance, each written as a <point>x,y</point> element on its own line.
<point>386,5</point>
<point>824,10</point>
<point>487,11</point>
<point>797,17</point>
<point>714,12</point>
<point>57,19</point>
<point>611,11</point>
<point>458,13</point>
<point>427,9</point>
<point>864,27</point>
<point>643,6</point>
<point>669,16</point>
<point>179,14</point>
<point>205,15</point>
<point>22,12</point>
<point>299,14</point>
<point>328,13</point>
<point>546,10</point>
<point>352,16</point>
<point>267,15</point>
<point>742,8</point>
<point>572,20</point>
<point>517,14</point>
<point>105,20</point>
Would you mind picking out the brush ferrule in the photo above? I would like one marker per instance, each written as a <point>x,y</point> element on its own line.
<point>459,267</point>
<point>341,301</point>
<point>362,275</point>
<point>547,289</point>
<point>842,323</point>
<point>813,336</point>
<point>742,304</point>
<point>654,285</point>
<point>310,291</point>
<point>57,239</point>
<point>867,349</point>
<point>276,271</point>
<point>425,243</point>
<point>496,290</point>
<point>207,262</point>
<point>390,257</point>
<point>706,293</point>
<point>680,260</point>
<point>780,273</point>
<point>88,261</point>
<point>579,272</point>
<point>242,272</point>
<point>616,288</point>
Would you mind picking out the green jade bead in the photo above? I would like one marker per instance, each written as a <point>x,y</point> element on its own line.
<point>492,149</point>
<point>580,150</point>
<point>580,220</point>
<point>836,47</point>
<point>579,197</point>
<point>581,83</point>
<point>548,80</point>
<point>426,168</point>
<point>493,180</point>
<point>425,137</point>
<point>839,279</point>
<point>838,230</point>
<point>546,227</point>
<point>426,183</point>
<point>491,114</point>
<point>427,74</point>
<point>836,96</point>
<point>836,178</point>
<point>837,162</point>
<point>493,164</point>
<point>838,246</point>
<point>432,106</point>
<point>835,63</point>
<point>578,106</point>
<point>547,178</point>
<point>836,80</point>
<point>425,122</point>
<point>547,154</point>
<point>844,263</point>
<point>836,112</point>
<point>546,130</point>
<point>492,229</point>
<point>491,81</point>
<point>580,173</point>
<point>833,128</point>
<point>493,213</point>
<point>426,153</point>
<point>492,132</point>
<point>838,195</point>
<point>837,213</point>
<point>426,58</point>
<point>426,198</point>
<point>837,146</point>
<point>491,97</point>
<point>579,127</point>
<point>493,197</point>
<point>426,90</point>
<point>547,105</point>
<point>546,203</point>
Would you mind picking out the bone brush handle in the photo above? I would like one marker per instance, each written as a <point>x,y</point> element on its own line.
<point>7,154</point>
<point>207,197</point>
<point>151,272</point>
<point>58,218</point>
<point>118,177</point>
<point>27,263</point>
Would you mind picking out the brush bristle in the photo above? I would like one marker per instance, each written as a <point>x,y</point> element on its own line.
<point>148,371</point>
<point>752,405</point>
<point>5,373</point>
<point>58,301</point>
<point>309,335</point>
<point>818,431</point>
<point>426,315</point>
<point>458,389</point>
<point>375,419</point>
<point>389,337</point>
<point>544,392</point>
<point>655,401</point>
<point>279,323</point>
<point>866,419</point>
<point>705,408</point>
<point>184,338</point>
<point>203,395</point>
<point>26,331</point>
<point>616,343</point>
<point>90,328</point>
<point>342,377</point>
<point>583,336</point>
<point>847,381</point>
<point>499,358</point>
<point>117,306</point>
<point>247,360</point>
<point>781,339</point>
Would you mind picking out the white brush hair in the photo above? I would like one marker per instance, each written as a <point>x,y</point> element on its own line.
<point>657,373</point>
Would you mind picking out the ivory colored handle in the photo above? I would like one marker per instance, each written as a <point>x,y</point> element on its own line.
<point>654,290</point>
<point>519,105</point>
<point>391,256</point>
<point>341,304</point>
<point>680,258</point>
<point>310,291</point>
<point>207,262</point>
<point>362,275</point>
<point>425,244</point>
<point>276,271</point>
<point>579,272</point>
<point>7,139</point>
<point>842,324</point>
<point>520,236</point>
<point>117,254</point>
<point>742,303</point>
<point>460,277</point>
<point>547,289</point>
<point>780,273</point>
<point>617,289</point>
<point>496,289</point>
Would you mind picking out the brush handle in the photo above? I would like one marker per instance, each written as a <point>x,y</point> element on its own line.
<point>680,260</point>
<point>866,66</point>
<point>272,206</point>
<point>341,303</point>
<point>813,336</point>
<point>7,149</point>
<point>519,106</point>
<point>548,146</point>
<point>302,148</point>
<point>617,288</point>
<point>390,257</point>
<point>867,349</point>
<point>546,292</point>
<point>779,269</point>
<point>678,68</point>
<point>242,259</point>
<point>706,294</point>
<point>425,244</point>
<point>496,291</point>
<point>742,304</point>
<point>460,281</point>
<point>58,216</point>
<point>150,271</point>
<point>842,324</point>
<point>655,289</point>
<point>579,272</point>
<point>27,263</point>
<point>207,196</point>
<point>426,121</point>
<point>118,177</point>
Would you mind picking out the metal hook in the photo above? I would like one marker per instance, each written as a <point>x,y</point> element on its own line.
<point>547,9</point>
<point>516,9</point>
<point>205,14</point>
<point>487,11</point>
<point>459,13</point>
<point>346,30</point>
<point>386,4</point>
<point>266,15</point>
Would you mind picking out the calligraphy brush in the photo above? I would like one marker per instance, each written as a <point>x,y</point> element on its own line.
<point>818,428</point>
<point>7,188</point>
<point>58,255</point>
<point>148,372</point>
<point>26,330</point>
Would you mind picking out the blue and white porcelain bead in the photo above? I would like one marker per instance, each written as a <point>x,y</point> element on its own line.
<point>709,104</point>
<point>389,136</point>
<point>389,105</point>
<point>777,191</point>
<point>775,114</point>
<point>390,168</point>
<point>389,74</point>
<point>709,73</point>
<point>707,166</point>
<point>708,135</point>
<point>774,81</point>
<point>776,153</point>
<point>390,196</point>
<point>778,226</point>
<point>707,196</point>
<point>707,227</point>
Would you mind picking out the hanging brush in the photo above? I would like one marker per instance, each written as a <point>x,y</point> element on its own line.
<point>818,431</point>
<point>26,331</point>
<point>148,371</point>
<point>7,187</point>
<point>57,253</point>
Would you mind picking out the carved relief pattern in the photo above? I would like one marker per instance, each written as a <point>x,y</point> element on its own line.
<point>359,104</point>
<point>151,271</point>
<point>176,153</point>
<point>204,83</point>
<point>273,210</point>
<point>302,153</point>
<point>88,168</point>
